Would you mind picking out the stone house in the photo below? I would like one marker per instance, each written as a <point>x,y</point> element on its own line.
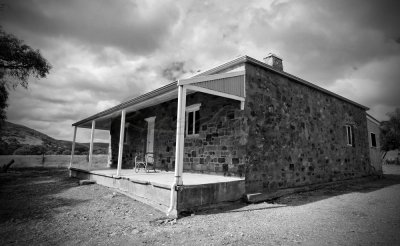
<point>245,118</point>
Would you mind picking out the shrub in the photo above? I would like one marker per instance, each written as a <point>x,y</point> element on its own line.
<point>66,152</point>
<point>49,152</point>
<point>392,161</point>
<point>29,150</point>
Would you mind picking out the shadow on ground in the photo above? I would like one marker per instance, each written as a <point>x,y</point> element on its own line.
<point>339,189</point>
<point>30,193</point>
<point>301,198</point>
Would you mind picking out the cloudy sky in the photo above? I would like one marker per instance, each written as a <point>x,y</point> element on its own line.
<point>103,52</point>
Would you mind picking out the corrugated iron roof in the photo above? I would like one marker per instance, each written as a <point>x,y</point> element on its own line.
<point>214,70</point>
<point>170,87</point>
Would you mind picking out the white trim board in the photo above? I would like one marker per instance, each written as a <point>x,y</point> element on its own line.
<point>193,107</point>
<point>216,93</point>
<point>210,77</point>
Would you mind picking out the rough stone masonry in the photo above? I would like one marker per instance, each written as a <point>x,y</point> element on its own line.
<point>288,135</point>
<point>297,134</point>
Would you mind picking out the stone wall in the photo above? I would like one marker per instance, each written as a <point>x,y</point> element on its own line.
<point>219,147</point>
<point>297,134</point>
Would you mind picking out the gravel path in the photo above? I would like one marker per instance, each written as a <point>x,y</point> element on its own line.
<point>45,207</point>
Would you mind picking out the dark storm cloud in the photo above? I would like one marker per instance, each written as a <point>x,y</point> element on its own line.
<point>323,40</point>
<point>104,52</point>
<point>382,15</point>
<point>173,71</point>
<point>46,98</point>
<point>131,26</point>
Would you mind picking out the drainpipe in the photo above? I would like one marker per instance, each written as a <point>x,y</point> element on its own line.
<point>180,130</point>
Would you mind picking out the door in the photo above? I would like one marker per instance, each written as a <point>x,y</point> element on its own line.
<point>150,134</point>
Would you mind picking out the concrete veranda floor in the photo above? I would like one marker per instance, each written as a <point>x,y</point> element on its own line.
<point>167,178</point>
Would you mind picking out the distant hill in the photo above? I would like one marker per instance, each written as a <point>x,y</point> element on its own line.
<point>21,140</point>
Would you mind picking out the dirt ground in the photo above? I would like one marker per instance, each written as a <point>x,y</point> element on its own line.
<point>41,206</point>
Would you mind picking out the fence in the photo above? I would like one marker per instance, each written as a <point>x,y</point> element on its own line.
<point>52,160</point>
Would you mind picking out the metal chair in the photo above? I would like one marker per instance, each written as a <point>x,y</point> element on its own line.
<point>145,162</point>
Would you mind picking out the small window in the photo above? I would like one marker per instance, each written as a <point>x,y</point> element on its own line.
<point>373,139</point>
<point>193,120</point>
<point>350,135</point>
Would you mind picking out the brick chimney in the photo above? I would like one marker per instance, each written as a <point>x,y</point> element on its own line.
<point>274,61</point>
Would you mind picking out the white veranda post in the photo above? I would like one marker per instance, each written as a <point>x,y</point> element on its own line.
<point>109,153</point>
<point>73,147</point>
<point>180,131</point>
<point>121,142</point>
<point>91,144</point>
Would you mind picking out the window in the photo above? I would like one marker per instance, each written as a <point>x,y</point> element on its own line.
<point>350,135</point>
<point>193,120</point>
<point>373,139</point>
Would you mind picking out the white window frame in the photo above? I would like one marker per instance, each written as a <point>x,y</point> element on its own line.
<point>192,108</point>
<point>349,140</point>
<point>370,137</point>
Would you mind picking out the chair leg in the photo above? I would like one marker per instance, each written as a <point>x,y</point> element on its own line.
<point>136,168</point>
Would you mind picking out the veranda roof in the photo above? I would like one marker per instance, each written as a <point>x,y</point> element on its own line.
<point>230,85</point>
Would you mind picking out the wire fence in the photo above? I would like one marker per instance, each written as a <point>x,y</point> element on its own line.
<point>60,161</point>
